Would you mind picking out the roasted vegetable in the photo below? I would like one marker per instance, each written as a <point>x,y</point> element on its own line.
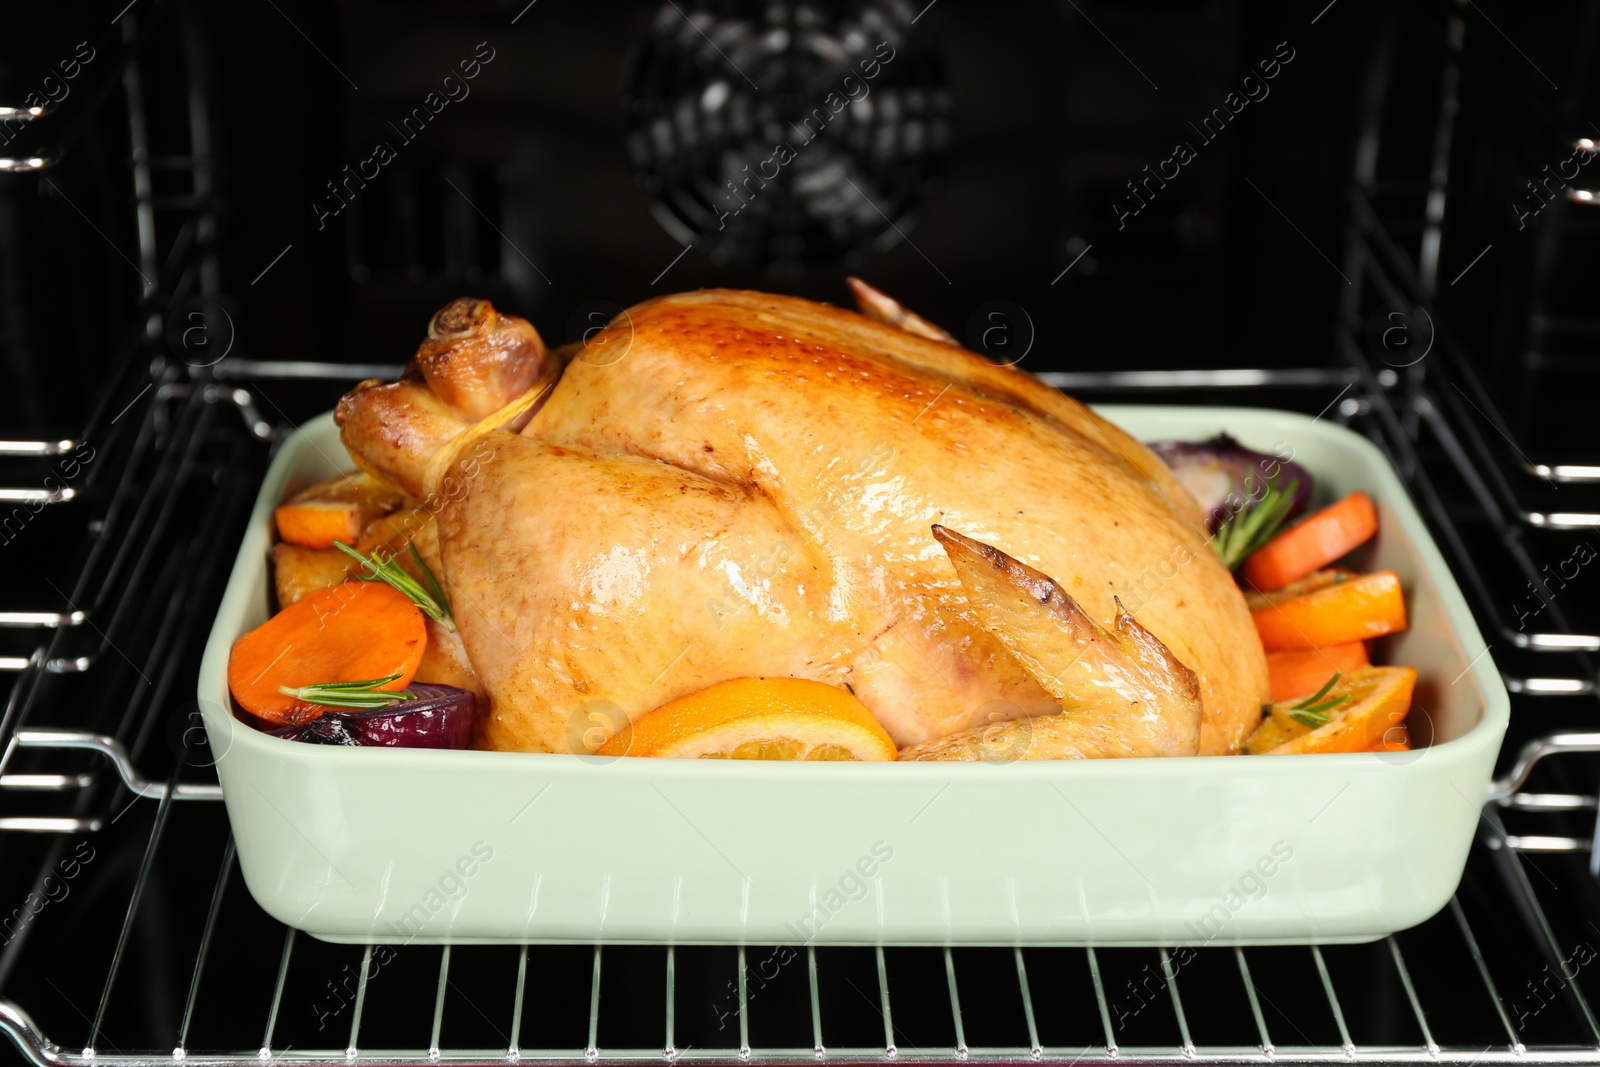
<point>446,662</point>
<point>1314,542</point>
<point>1351,713</point>
<point>1395,739</point>
<point>344,633</point>
<point>433,716</point>
<point>392,534</point>
<point>334,510</point>
<point>298,571</point>
<point>1302,670</point>
<point>422,591</point>
<point>1216,472</point>
<point>1353,610</point>
<point>1256,600</point>
<point>1254,524</point>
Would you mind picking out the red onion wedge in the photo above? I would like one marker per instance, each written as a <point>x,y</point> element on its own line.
<point>1215,472</point>
<point>441,717</point>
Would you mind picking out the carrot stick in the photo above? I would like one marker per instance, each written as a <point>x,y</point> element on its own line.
<point>334,510</point>
<point>1354,610</point>
<point>343,633</point>
<point>318,523</point>
<point>1312,543</point>
<point>1301,671</point>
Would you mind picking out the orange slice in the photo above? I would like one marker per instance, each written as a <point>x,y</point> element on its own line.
<point>757,718</point>
<point>1273,732</point>
<point>1255,599</point>
<point>1353,610</point>
<point>1395,739</point>
<point>1375,702</point>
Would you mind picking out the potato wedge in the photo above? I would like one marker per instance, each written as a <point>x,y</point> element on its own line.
<point>298,571</point>
<point>393,533</point>
<point>446,663</point>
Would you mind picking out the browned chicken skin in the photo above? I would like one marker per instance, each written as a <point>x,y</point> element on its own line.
<point>1121,691</point>
<point>473,362</point>
<point>751,489</point>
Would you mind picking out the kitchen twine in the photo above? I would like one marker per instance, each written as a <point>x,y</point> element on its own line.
<point>445,458</point>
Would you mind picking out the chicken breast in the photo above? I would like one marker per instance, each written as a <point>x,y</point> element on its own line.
<point>727,483</point>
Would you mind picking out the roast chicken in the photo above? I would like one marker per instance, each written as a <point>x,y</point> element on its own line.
<point>724,484</point>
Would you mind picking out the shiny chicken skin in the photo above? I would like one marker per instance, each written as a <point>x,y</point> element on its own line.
<point>725,484</point>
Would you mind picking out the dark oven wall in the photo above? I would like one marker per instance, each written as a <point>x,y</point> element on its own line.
<point>1097,185</point>
<point>1026,136</point>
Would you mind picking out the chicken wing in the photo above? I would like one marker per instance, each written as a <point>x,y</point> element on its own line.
<point>1121,691</point>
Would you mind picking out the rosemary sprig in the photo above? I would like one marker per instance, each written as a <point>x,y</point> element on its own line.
<point>1313,710</point>
<point>1254,524</point>
<point>433,583</point>
<point>364,695</point>
<point>1320,693</point>
<point>431,599</point>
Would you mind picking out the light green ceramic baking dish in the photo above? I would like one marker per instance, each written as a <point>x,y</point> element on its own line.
<point>361,845</point>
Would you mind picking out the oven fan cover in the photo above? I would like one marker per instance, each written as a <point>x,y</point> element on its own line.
<point>786,133</point>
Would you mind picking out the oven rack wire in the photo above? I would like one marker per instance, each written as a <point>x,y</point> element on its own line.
<point>97,773</point>
<point>87,707</point>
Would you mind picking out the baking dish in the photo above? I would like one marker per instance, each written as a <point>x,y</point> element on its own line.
<point>385,845</point>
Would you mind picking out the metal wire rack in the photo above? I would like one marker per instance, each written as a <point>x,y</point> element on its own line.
<point>1472,984</point>
<point>161,956</point>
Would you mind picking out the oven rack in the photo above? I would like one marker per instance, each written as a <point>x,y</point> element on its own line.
<point>95,776</point>
<point>1438,403</point>
<point>95,749</point>
<point>143,434</point>
<point>895,1046</point>
<point>37,138</point>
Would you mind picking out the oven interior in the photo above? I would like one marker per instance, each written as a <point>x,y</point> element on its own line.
<point>200,247</point>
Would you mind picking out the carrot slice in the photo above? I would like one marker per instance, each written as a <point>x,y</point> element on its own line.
<point>1302,671</point>
<point>1312,543</point>
<point>334,510</point>
<point>1353,610</point>
<point>344,633</point>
